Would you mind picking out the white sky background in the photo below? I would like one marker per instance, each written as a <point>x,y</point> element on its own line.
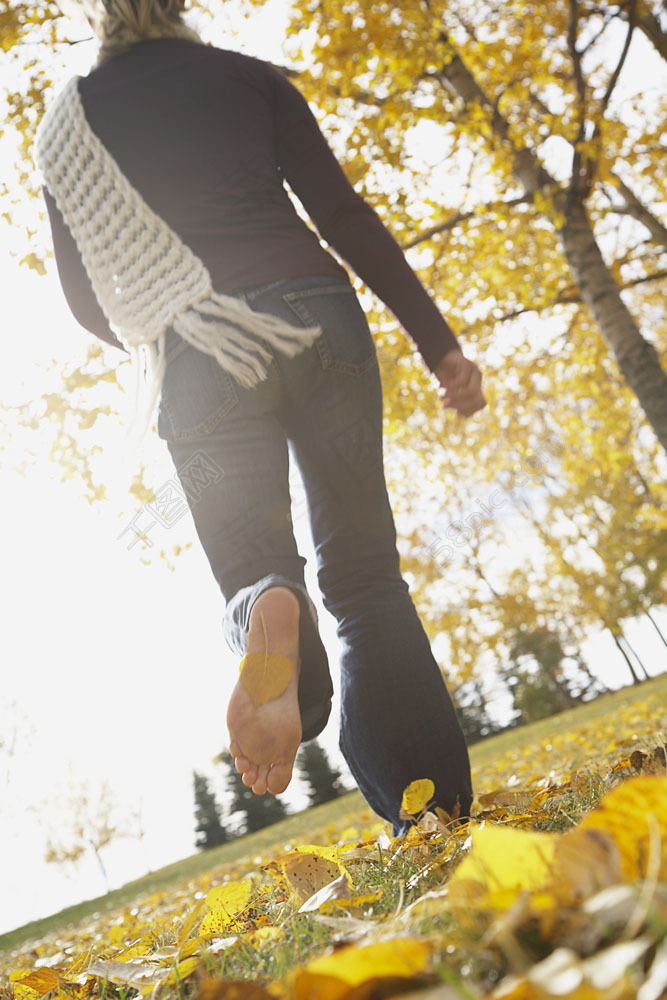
<point>120,669</point>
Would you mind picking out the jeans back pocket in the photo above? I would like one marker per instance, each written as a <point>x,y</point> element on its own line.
<point>196,394</point>
<point>346,343</point>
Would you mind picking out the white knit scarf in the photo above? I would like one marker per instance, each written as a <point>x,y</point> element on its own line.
<point>143,275</point>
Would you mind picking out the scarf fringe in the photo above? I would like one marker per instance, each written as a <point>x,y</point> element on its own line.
<point>226,337</point>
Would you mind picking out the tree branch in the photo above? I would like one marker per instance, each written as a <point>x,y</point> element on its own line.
<point>649,24</point>
<point>617,72</point>
<point>571,298</point>
<point>638,211</point>
<point>460,217</point>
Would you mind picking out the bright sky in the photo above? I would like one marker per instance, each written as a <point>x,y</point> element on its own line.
<point>119,670</point>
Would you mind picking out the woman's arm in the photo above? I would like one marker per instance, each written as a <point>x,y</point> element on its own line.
<point>74,280</point>
<point>351,226</point>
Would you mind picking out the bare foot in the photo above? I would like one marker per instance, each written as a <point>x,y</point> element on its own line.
<point>264,739</point>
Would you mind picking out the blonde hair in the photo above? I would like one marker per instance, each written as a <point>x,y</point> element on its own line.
<point>120,24</point>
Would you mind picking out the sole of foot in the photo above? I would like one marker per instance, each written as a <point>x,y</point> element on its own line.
<point>264,739</point>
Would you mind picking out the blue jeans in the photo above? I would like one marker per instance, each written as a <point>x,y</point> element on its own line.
<point>230,449</point>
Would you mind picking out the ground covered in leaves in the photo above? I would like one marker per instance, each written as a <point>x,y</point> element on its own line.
<point>556,888</point>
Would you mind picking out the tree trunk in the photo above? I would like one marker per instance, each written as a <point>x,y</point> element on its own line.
<point>594,683</point>
<point>635,677</point>
<point>655,626</point>
<point>647,22</point>
<point>101,864</point>
<point>636,357</point>
<point>631,649</point>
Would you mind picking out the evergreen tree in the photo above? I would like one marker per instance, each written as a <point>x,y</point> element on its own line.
<point>257,811</point>
<point>324,781</point>
<point>471,710</point>
<point>209,830</point>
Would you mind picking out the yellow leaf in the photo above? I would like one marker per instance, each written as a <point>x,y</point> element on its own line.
<point>417,795</point>
<point>502,863</point>
<point>334,976</point>
<point>22,992</point>
<point>225,902</point>
<point>635,815</point>
<point>306,869</point>
<point>188,924</point>
<point>350,902</point>
<point>42,980</point>
<point>265,675</point>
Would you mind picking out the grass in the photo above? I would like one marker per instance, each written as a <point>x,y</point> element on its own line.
<point>584,741</point>
<point>294,829</point>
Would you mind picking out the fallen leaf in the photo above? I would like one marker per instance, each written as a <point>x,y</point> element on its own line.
<point>586,860</point>
<point>503,862</point>
<point>134,974</point>
<point>230,989</point>
<point>188,923</point>
<point>506,797</point>
<point>225,903</point>
<point>43,980</point>
<point>306,870</point>
<point>629,813</point>
<point>655,985</point>
<point>334,890</point>
<point>655,761</point>
<point>374,970</point>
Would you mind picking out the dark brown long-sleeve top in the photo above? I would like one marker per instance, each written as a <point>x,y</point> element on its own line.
<point>207,136</point>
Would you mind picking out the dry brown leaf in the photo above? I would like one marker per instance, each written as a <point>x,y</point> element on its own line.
<point>506,797</point>
<point>585,861</point>
<point>210,988</point>
<point>306,870</point>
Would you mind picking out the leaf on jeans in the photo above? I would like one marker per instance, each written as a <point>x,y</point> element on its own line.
<point>265,676</point>
<point>416,797</point>
<point>377,970</point>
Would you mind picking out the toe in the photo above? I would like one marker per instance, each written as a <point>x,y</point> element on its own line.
<point>259,786</point>
<point>279,778</point>
<point>242,764</point>
<point>250,776</point>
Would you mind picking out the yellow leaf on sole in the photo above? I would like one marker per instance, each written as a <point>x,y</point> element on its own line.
<point>265,676</point>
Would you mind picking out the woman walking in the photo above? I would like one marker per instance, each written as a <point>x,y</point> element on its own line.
<point>164,174</point>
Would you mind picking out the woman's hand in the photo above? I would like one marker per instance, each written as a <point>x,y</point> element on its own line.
<point>462,381</point>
